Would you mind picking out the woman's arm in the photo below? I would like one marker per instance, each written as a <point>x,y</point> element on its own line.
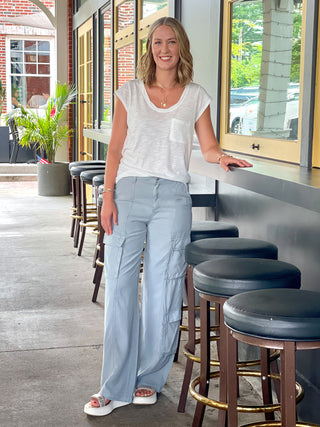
<point>209,145</point>
<point>109,214</point>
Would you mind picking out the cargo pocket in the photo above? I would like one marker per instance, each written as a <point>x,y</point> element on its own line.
<point>113,254</point>
<point>176,263</point>
<point>170,332</point>
<point>173,299</point>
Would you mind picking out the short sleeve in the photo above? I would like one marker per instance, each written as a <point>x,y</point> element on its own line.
<point>124,94</point>
<point>203,101</point>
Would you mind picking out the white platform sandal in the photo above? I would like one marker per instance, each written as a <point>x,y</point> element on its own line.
<point>103,409</point>
<point>145,400</point>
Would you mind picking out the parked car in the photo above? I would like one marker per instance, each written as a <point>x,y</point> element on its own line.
<point>243,118</point>
<point>242,94</point>
<point>249,118</point>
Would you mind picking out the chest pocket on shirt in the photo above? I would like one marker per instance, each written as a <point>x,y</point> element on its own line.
<point>179,131</point>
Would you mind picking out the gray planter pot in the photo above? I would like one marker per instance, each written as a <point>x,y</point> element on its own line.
<point>53,179</point>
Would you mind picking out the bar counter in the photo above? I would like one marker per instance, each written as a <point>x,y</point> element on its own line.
<point>283,181</point>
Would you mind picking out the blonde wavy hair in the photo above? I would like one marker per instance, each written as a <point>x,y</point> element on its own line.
<point>146,69</point>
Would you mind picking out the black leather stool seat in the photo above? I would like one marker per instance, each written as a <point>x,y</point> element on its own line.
<point>209,229</point>
<point>98,180</point>
<point>202,250</point>
<point>227,277</point>
<point>87,163</point>
<point>276,314</point>
<point>76,170</point>
<point>88,175</point>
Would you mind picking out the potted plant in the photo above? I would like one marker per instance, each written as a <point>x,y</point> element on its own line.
<point>45,129</point>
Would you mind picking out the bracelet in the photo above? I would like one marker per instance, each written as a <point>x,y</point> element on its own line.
<point>223,155</point>
<point>108,190</point>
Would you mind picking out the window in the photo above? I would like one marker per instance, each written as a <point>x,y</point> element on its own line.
<point>316,133</point>
<point>107,74</point>
<point>30,72</point>
<point>261,91</point>
<point>150,7</point>
<point>150,11</point>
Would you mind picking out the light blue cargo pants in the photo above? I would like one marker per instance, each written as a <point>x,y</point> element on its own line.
<point>139,343</point>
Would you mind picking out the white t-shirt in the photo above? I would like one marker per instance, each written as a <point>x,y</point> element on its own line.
<point>159,141</point>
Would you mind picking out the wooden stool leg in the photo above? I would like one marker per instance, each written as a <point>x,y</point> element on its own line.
<point>274,369</point>
<point>223,368</point>
<point>84,216</point>
<point>74,205</point>
<point>205,360</point>
<point>79,212</point>
<point>191,340</point>
<point>232,388</point>
<point>288,385</point>
<point>266,380</point>
<point>176,356</point>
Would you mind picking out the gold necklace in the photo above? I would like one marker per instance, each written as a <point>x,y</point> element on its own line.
<point>164,100</point>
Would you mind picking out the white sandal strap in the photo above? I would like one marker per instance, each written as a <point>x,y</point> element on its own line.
<point>100,399</point>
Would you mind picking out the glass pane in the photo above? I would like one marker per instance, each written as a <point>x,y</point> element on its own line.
<point>30,57</point>
<point>37,91</point>
<point>44,46</point>
<point>17,68</point>
<point>30,45</point>
<point>44,58</point>
<point>143,46</point>
<point>31,69</point>
<point>125,14</point>
<point>17,92</point>
<point>265,68</point>
<point>16,56</point>
<point>106,114</point>
<point>43,69</point>
<point>16,45</point>
<point>125,64</point>
<point>149,7</point>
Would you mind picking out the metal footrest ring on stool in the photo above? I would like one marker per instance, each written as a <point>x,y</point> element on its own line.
<point>278,424</point>
<point>241,408</point>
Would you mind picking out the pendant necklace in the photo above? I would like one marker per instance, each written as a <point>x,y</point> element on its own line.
<point>164,100</point>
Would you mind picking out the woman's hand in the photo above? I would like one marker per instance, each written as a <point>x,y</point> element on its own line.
<point>109,214</point>
<point>225,161</point>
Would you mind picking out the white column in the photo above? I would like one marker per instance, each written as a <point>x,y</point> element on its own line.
<point>275,67</point>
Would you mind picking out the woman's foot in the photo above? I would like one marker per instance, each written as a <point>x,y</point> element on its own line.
<point>99,406</point>
<point>95,402</point>
<point>144,395</point>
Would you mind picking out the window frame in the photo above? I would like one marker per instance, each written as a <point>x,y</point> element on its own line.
<point>9,74</point>
<point>276,149</point>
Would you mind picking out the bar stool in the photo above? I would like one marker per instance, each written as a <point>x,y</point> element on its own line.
<point>97,181</point>
<point>203,230</point>
<point>204,250</point>
<point>216,281</point>
<point>286,319</point>
<point>89,217</point>
<point>100,255</point>
<point>75,169</point>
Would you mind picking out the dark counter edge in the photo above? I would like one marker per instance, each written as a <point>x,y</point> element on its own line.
<point>286,182</point>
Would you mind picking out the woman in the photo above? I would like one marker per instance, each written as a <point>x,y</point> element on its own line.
<point>147,205</point>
